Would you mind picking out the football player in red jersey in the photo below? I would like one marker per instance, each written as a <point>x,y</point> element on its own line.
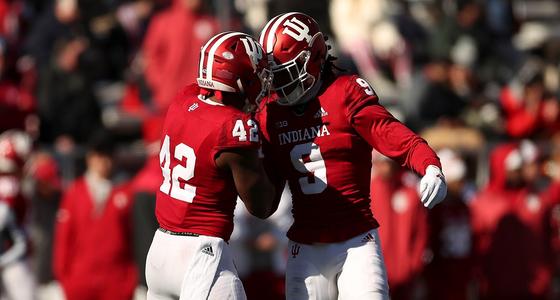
<point>209,155</point>
<point>320,131</point>
<point>15,273</point>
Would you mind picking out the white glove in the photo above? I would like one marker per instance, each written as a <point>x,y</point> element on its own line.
<point>433,188</point>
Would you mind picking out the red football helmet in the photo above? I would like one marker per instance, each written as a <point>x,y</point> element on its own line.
<point>297,52</point>
<point>234,62</point>
<point>15,147</point>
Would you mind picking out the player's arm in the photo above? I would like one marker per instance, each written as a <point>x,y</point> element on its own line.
<point>393,139</point>
<point>19,246</point>
<point>258,193</point>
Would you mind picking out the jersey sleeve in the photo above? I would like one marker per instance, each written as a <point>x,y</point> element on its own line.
<point>359,94</point>
<point>239,132</point>
<point>383,131</point>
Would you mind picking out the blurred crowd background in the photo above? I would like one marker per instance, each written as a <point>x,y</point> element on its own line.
<point>84,85</point>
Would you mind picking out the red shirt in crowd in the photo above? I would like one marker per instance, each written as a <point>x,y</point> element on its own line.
<point>511,235</point>
<point>92,247</point>
<point>172,50</point>
<point>522,120</point>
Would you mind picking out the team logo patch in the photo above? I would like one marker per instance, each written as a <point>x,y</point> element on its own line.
<point>121,200</point>
<point>254,51</point>
<point>208,250</point>
<point>297,29</point>
<point>295,250</point>
<point>281,124</point>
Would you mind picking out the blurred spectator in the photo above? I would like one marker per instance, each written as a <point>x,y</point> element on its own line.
<point>59,21</point>
<point>503,25</point>
<point>403,225</point>
<point>366,33</point>
<point>511,231</point>
<point>45,199</point>
<point>11,19</point>
<point>67,105</point>
<point>144,187</point>
<point>17,281</point>
<point>450,238</point>
<point>552,170</point>
<point>460,30</point>
<point>17,102</point>
<point>466,72</point>
<point>106,53</point>
<point>263,249</point>
<point>92,248</point>
<point>171,48</point>
<point>15,147</point>
<point>440,99</point>
<point>255,13</point>
<point>132,15</point>
<point>529,110</point>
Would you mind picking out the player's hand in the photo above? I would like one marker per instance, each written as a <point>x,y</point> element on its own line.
<point>433,188</point>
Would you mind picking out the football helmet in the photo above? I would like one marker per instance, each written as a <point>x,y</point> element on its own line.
<point>297,52</point>
<point>234,62</point>
<point>15,147</point>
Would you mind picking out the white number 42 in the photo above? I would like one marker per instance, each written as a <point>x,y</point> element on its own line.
<point>240,132</point>
<point>182,172</point>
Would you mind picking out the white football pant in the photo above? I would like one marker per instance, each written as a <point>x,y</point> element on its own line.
<point>349,270</point>
<point>17,281</point>
<point>191,268</point>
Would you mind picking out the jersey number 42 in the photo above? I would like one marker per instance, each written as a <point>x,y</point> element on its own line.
<point>171,184</point>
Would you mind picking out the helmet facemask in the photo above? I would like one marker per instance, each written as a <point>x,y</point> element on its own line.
<point>265,77</point>
<point>292,80</point>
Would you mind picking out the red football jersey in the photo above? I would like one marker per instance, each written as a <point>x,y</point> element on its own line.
<point>195,196</point>
<point>11,193</point>
<point>324,152</point>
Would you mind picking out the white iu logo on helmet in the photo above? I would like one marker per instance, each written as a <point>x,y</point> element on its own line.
<point>253,50</point>
<point>297,29</point>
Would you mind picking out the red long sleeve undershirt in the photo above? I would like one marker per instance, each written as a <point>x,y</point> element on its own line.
<point>393,139</point>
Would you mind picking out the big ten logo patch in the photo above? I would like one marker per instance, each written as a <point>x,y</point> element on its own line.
<point>297,29</point>
<point>254,51</point>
